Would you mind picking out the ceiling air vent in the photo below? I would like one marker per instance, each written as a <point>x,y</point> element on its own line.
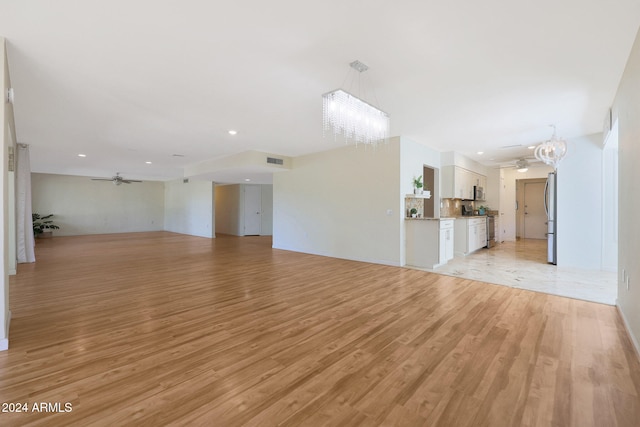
<point>185,181</point>
<point>275,161</point>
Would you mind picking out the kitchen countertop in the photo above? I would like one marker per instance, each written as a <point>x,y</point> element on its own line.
<point>429,219</point>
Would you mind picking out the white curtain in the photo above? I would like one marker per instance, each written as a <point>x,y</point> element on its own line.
<point>24,223</point>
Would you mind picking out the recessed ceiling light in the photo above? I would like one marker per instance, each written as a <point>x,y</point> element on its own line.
<point>233,132</point>
<point>480,153</point>
<point>82,155</point>
<point>247,179</point>
<point>148,163</point>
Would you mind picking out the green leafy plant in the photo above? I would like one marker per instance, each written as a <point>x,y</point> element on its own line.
<point>413,211</point>
<point>417,182</point>
<point>42,223</point>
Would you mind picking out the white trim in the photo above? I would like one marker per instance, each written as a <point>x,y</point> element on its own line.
<point>4,343</point>
<point>626,326</point>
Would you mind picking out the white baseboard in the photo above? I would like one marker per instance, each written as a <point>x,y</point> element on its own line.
<point>626,326</point>
<point>4,343</point>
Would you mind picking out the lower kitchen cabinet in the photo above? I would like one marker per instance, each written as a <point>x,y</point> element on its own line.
<point>470,235</point>
<point>446,240</point>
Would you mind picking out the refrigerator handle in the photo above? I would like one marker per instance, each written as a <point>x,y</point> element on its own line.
<point>546,196</point>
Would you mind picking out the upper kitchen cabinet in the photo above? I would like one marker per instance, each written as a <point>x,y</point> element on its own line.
<point>458,183</point>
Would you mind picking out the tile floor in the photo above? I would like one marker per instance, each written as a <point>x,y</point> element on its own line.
<point>523,264</point>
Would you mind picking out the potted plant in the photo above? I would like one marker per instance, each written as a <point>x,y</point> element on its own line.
<point>417,185</point>
<point>42,225</point>
<point>482,209</point>
<point>413,212</point>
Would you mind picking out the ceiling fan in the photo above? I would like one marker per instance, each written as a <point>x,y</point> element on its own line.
<point>521,164</point>
<point>117,179</point>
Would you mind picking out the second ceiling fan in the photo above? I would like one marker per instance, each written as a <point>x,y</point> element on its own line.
<point>117,179</point>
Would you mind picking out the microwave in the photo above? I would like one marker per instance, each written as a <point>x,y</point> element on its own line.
<point>478,193</point>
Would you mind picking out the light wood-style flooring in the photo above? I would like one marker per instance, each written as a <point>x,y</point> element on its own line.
<point>160,328</point>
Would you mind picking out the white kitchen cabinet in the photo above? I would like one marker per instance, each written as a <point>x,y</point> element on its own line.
<point>470,234</point>
<point>481,234</point>
<point>458,183</point>
<point>446,240</point>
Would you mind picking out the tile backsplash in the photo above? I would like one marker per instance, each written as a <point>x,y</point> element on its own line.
<point>453,207</point>
<point>411,202</point>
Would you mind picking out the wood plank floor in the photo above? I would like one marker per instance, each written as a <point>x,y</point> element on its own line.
<point>160,328</point>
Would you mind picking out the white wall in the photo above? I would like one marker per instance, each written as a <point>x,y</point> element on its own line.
<point>492,192</point>
<point>627,110</point>
<point>6,112</point>
<point>579,208</point>
<point>266,223</point>
<point>413,157</point>
<point>344,203</point>
<point>82,206</point>
<point>610,202</point>
<point>453,158</point>
<point>189,207</point>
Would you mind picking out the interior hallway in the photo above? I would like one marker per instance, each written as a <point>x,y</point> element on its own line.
<point>523,264</point>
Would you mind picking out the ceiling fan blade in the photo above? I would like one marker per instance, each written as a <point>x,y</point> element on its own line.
<point>117,179</point>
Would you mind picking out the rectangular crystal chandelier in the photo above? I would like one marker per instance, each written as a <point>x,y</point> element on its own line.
<point>355,120</point>
<point>349,117</point>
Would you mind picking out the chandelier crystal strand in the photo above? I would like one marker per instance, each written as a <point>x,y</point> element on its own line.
<point>353,119</point>
<point>552,151</point>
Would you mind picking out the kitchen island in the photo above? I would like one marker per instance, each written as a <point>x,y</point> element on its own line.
<point>429,242</point>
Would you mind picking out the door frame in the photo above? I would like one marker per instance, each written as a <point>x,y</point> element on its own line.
<point>520,203</point>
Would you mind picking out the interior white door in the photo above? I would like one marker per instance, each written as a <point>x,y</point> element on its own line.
<point>252,210</point>
<point>535,217</point>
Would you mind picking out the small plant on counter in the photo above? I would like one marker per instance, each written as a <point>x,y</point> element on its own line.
<point>413,212</point>
<point>417,185</point>
<point>42,223</point>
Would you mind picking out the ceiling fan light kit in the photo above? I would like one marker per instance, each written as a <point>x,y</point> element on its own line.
<point>522,165</point>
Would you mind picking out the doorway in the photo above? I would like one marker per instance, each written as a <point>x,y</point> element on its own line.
<point>252,210</point>
<point>531,218</point>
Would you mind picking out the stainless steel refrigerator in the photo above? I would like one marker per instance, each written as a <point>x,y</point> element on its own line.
<point>550,202</point>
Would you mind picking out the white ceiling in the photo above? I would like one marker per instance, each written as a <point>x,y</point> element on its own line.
<point>126,82</point>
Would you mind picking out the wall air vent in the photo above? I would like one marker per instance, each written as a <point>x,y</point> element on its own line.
<point>275,161</point>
